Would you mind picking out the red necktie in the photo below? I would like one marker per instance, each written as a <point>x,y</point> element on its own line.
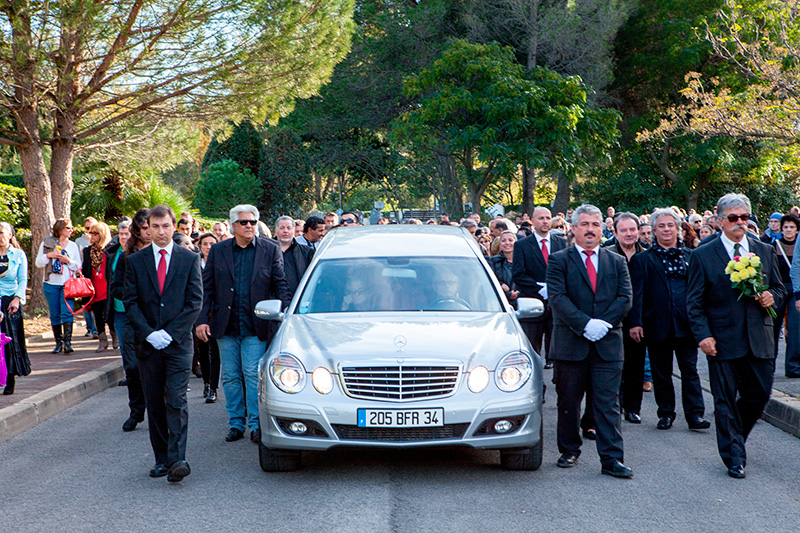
<point>545,253</point>
<point>162,271</point>
<point>590,270</point>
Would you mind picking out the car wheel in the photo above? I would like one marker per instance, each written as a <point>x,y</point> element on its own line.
<point>272,460</point>
<point>529,459</point>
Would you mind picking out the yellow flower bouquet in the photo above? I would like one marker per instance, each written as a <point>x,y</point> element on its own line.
<point>745,274</point>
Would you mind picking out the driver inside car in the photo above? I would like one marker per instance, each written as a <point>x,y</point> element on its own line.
<point>445,287</point>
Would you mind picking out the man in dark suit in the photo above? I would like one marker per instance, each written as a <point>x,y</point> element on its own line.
<point>659,320</point>
<point>529,271</point>
<point>163,294</point>
<point>590,294</point>
<point>735,333</point>
<point>239,273</point>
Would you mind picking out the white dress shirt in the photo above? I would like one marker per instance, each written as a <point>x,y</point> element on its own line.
<point>729,244</point>
<point>595,261</point>
<point>539,240</point>
<point>157,253</point>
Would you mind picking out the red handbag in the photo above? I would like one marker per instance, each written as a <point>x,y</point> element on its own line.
<point>79,287</point>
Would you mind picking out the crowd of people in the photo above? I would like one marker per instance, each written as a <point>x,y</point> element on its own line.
<point>624,295</point>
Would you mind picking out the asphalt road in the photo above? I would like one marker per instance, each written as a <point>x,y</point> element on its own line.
<point>80,472</point>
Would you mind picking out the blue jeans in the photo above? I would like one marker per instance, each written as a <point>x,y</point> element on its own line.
<point>239,357</point>
<point>648,376</point>
<point>59,312</point>
<point>89,318</point>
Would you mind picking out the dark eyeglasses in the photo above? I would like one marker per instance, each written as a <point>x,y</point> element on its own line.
<point>246,222</point>
<point>348,221</point>
<point>93,233</point>
<point>743,217</point>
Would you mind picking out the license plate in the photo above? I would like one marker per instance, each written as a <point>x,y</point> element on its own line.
<point>400,418</point>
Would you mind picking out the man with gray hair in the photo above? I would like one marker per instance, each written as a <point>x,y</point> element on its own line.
<point>734,331</point>
<point>659,320</point>
<point>239,273</point>
<point>470,224</point>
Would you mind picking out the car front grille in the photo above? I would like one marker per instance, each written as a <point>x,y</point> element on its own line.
<point>400,382</point>
<point>448,431</point>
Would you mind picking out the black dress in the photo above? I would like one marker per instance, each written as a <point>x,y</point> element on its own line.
<point>12,325</point>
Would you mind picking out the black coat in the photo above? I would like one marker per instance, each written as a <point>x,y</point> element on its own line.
<point>175,310</point>
<point>268,282</point>
<point>529,267</point>
<point>573,303</point>
<point>302,256</point>
<point>652,298</point>
<point>738,325</point>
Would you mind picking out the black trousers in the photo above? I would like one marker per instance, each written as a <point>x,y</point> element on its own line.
<point>600,380</point>
<point>631,390</point>
<point>129,351</point>
<point>99,312</point>
<point>741,388</point>
<point>208,355</point>
<point>540,329</point>
<point>165,378</point>
<point>685,350</point>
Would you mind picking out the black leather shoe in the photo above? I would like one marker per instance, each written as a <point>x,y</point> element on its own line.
<point>255,436</point>
<point>632,417</point>
<point>122,383</point>
<point>212,397</point>
<point>159,470</point>
<point>567,460</point>
<point>206,390</point>
<point>130,424</point>
<point>234,435</point>
<point>178,471</point>
<point>736,472</point>
<point>548,364</point>
<point>698,422</point>
<point>590,434</point>
<point>664,422</point>
<point>617,469</point>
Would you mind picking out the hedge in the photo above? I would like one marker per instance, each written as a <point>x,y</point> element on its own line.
<point>15,180</point>
<point>14,206</point>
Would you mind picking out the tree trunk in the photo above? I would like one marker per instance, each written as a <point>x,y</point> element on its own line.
<point>451,199</point>
<point>533,34</point>
<point>61,177</point>
<point>563,194</point>
<point>528,190</point>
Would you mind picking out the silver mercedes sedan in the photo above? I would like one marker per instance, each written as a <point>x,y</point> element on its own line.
<point>399,336</point>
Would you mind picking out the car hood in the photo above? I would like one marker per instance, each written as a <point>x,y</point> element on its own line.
<point>327,339</point>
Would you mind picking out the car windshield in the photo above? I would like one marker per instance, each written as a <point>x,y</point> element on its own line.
<point>398,284</point>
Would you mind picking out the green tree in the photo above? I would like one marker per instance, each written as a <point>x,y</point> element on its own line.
<point>480,107</point>
<point>285,176</point>
<point>243,145</point>
<point>223,185</point>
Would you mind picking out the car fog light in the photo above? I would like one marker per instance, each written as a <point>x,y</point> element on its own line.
<point>298,428</point>
<point>478,379</point>
<point>322,380</point>
<point>503,426</point>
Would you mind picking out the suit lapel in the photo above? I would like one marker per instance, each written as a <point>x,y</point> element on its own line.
<point>174,265</point>
<point>603,264</point>
<point>719,248</point>
<point>150,266</point>
<point>537,252</point>
<point>227,255</point>
<point>658,265</point>
<point>258,259</point>
<point>580,265</point>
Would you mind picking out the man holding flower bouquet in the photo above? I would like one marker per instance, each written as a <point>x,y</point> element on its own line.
<point>734,282</point>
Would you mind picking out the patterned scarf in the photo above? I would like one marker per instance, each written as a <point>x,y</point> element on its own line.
<point>96,253</point>
<point>673,259</point>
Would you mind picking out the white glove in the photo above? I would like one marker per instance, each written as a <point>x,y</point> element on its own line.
<point>160,339</point>
<point>543,290</point>
<point>596,329</point>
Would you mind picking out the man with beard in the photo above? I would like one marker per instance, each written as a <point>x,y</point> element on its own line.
<point>734,331</point>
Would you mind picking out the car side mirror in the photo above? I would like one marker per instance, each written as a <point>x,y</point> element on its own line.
<point>529,308</point>
<point>269,310</point>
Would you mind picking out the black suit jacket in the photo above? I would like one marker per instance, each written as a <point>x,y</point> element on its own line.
<point>715,310</point>
<point>652,299</point>
<point>529,266</point>
<point>268,282</point>
<point>573,303</point>
<point>175,310</point>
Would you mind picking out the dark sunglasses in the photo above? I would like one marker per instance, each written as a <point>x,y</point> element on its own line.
<point>348,221</point>
<point>246,222</point>
<point>93,233</point>
<point>733,218</point>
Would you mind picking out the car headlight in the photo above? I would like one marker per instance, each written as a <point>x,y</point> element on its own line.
<point>287,373</point>
<point>322,380</point>
<point>478,379</point>
<point>513,372</point>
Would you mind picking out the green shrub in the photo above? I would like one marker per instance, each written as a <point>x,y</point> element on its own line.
<point>15,180</point>
<point>14,206</point>
<point>222,186</point>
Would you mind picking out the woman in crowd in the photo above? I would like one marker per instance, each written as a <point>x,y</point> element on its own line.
<point>60,259</point>
<point>115,253</point>
<point>502,264</point>
<point>785,247</point>
<point>13,282</point>
<point>208,352</point>
<point>94,268</point>
<point>690,239</point>
<point>705,232</point>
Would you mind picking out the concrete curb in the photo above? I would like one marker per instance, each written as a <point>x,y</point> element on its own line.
<point>782,410</point>
<point>26,413</point>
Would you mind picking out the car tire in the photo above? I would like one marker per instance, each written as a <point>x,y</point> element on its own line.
<point>272,460</point>
<point>530,459</point>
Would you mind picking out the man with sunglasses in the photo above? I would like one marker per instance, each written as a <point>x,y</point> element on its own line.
<point>349,218</point>
<point>734,332</point>
<point>239,273</point>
